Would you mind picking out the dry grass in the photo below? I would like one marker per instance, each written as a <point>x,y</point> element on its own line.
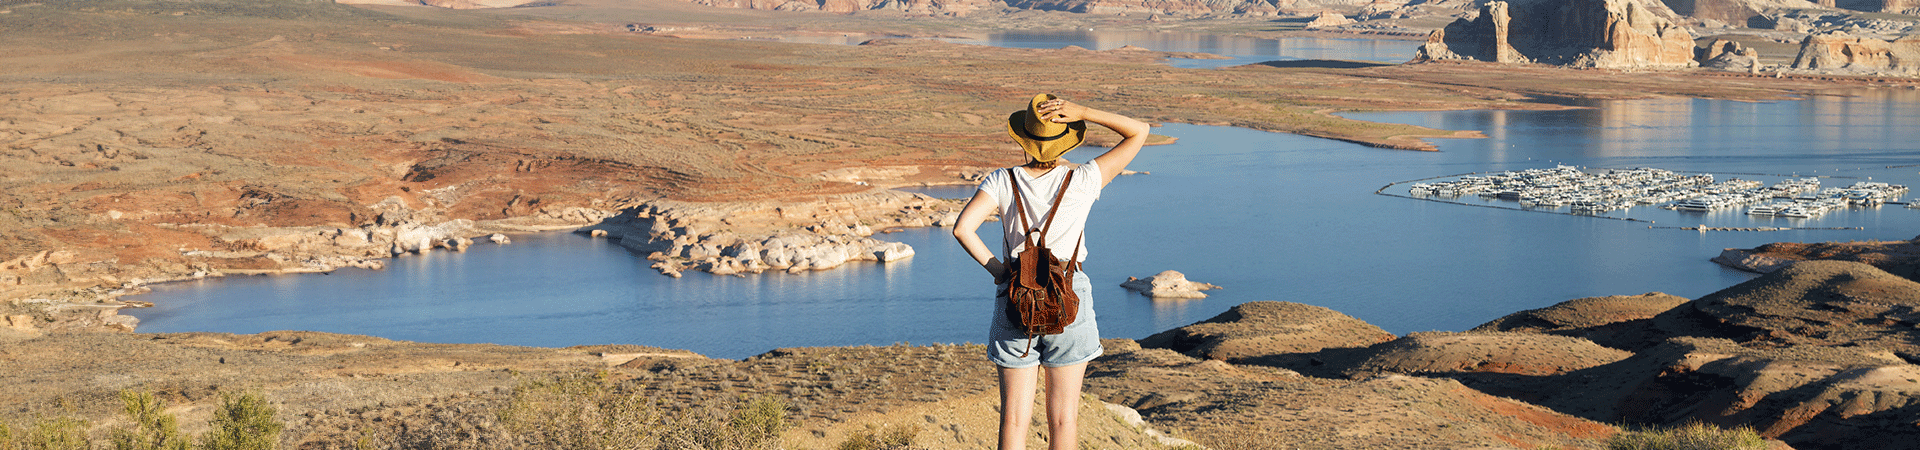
<point>874,437</point>
<point>1692,436</point>
<point>593,411</point>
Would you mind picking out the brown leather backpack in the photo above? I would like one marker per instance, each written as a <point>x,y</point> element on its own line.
<point>1040,298</point>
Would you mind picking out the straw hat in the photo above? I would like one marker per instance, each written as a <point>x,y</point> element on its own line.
<point>1044,140</point>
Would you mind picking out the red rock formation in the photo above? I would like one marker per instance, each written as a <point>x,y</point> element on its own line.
<point>1584,33</point>
<point>1838,50</point>
<point>1484,38</point>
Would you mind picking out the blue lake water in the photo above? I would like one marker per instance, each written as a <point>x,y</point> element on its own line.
<point>1238,50</point>
<point>1269,216</point>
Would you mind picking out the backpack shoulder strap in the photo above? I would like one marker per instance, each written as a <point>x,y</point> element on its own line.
<point>1057,196</point>
<point>1020,212</point>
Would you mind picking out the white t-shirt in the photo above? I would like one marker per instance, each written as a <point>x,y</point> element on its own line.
<point>1037,195</point>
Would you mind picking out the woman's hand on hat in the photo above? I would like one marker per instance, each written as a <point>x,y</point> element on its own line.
<point>1062,111</point>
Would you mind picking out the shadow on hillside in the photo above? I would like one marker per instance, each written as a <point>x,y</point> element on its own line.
<point>1322,64</point>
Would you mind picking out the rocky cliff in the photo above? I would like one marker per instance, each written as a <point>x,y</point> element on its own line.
<point>1728,55</point>
<point>1838,50</point>
<point>1581,33</point>
<point>1819,354</point>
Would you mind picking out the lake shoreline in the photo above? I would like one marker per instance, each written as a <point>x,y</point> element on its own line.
<point>89,297</point>
<point>451,148</point>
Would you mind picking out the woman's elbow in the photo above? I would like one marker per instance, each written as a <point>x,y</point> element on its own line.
<point>962,231</point>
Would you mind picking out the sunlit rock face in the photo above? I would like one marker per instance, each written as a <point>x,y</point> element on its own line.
<point>1838,50</point>
<point>1581,33</point>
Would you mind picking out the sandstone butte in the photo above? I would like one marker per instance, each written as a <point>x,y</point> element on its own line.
<point>1581,33</point>
<point>156,141</point>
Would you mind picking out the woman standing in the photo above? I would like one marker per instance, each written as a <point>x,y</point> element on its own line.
<point>1046,129</point>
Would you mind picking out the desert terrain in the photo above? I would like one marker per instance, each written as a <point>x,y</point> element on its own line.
<point>151,141</point>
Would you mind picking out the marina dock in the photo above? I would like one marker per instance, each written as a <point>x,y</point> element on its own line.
<point>1571,190</point>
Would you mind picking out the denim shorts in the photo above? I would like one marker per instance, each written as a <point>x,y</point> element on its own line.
<point>1079,343</point>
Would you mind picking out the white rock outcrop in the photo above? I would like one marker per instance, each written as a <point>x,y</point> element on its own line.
<point>1168,284</point>
<point>791,236</point>
<point>1840,51</point>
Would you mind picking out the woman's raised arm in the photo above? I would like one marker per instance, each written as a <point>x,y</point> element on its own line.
<point>1133,133</point>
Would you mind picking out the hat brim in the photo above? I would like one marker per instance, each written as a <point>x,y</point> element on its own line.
<point>1045,148</point>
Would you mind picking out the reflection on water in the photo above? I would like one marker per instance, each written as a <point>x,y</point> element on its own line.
<point>1858,129</point>
<point>1240,50</point>
<point>1268,216</point>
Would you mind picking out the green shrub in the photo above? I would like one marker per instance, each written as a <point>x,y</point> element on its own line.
<point>759,422</point>
<point>244,422</point>
<point>874,437</point>
<point>154,428</point>
<point>1692,436</point>
<point>6,437</point>
<point>58,433</point>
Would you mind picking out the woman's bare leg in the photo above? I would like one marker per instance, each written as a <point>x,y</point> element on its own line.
<point>1063,406</point>
<point>1016,405</point>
